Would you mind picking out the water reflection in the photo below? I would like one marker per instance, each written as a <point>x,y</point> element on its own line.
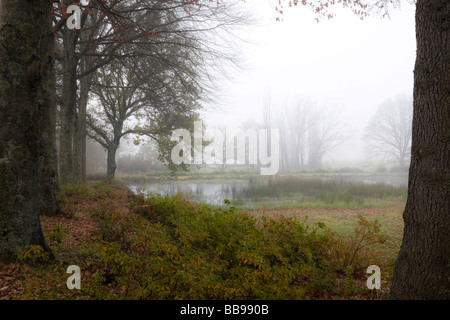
<point>211,192</point>
<point>241,192</point>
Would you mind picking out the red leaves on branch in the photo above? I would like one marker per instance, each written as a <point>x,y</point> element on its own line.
<point>322,7</point>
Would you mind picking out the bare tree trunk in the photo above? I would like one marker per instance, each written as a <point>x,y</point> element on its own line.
<point>68,108</point>
<point>48,172</point>
<point>81,134</point>
<point>302,157</point>
<point>422,269</point>
<point>111,164</point>
<point>314,152</point>
<point>23,29</point>
<point>402,162</point>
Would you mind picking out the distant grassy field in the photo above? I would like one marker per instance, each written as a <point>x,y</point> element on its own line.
<point>344,220</point>
<point>317,204</point>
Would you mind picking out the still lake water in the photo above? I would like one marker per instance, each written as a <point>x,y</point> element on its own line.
<point>211,192</point>
<point>215,191</point>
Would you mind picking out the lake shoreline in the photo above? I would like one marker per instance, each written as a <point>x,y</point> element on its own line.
<point>284,191</point>
<point>165,176</point>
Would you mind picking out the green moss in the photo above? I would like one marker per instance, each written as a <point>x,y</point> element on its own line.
<point>19,155</point>
<point>4,86</point>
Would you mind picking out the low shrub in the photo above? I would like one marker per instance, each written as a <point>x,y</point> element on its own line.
<point>57,234</point>
<point>182,250</point>
<point>172,248</point>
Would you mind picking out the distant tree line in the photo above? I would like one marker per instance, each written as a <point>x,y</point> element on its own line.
<point>134,67</point>
<point>308,132</point>
<point>389,132</point>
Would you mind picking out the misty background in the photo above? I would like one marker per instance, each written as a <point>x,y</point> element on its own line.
<point>346,66</point>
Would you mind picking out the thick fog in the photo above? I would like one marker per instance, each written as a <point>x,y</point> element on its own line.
<point>347,64</point>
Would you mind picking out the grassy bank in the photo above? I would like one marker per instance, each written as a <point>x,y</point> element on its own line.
<point>242,174</point>
<point>134,247</point>
<point>314,192</point>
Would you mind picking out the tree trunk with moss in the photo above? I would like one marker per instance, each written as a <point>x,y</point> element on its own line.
<point>111,161</point>
<point>422,269</point>
<point>48,172</point>
<point>80,132</point>
<point>23,28</point>
<point>68,107</point>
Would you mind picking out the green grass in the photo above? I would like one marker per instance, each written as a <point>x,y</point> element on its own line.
<point>197,176</point>
<point>311,204</point>
<point>366,203</point>
<point>302,191</point>
<point>322,192</point>
<point>322,189</point>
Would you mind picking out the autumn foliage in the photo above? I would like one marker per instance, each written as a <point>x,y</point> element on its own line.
<point>324,8</point>
<point>173,248</point>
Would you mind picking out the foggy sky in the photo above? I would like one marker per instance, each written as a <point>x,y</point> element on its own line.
<point>347,63</point>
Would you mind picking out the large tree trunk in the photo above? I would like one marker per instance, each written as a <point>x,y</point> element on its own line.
<point>81,134</point>
<point>68,108</point>
<point>111,164</point>
<point>48,172</point>
<point>422,269</point>
<point>23,28</point>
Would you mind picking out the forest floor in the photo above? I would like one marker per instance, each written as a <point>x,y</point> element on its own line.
<point>77,228</point>
<point>70,235</point>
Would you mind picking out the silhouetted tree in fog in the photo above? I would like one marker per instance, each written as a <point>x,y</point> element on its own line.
<point>390,129</point>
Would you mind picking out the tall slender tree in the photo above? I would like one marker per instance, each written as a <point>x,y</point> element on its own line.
<point>48,168</point>
<point>299,124</point>
<point>389,131</point>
